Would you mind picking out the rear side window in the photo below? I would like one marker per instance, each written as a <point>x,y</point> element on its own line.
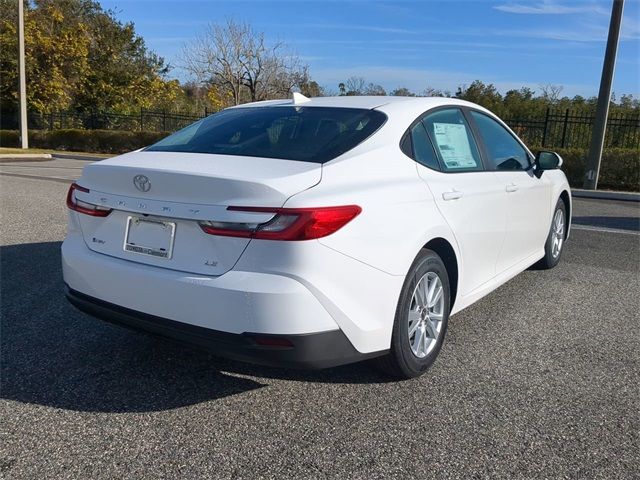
<point>453,140</point>
<point>310,134</point>
<point>503,150</point>
<point>422,149</point>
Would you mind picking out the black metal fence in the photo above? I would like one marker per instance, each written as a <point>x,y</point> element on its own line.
<point>570,129</point>
<point>142,120</point>
<point>557,128</point>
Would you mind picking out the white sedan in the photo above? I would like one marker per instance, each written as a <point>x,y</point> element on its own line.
<point>314,232</point>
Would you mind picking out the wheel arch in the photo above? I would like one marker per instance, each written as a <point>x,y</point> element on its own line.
<point>448,255</point>
<point>566,199</point>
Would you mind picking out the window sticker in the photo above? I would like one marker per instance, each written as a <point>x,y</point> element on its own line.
<point>454,145</point>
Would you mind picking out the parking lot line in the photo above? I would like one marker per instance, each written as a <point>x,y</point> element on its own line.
<point>603,229</point>
<point>38,177</point>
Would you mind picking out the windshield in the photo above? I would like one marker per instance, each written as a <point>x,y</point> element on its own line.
<point>310,134</point>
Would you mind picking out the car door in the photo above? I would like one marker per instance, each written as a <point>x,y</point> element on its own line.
<point>526,196</point>
<point>469,197</point>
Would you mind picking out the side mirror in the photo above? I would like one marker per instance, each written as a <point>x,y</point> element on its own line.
<point>546,161</point>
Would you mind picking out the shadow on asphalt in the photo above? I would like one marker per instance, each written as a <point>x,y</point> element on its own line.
<point>620,223</point>
<point>56,356</point>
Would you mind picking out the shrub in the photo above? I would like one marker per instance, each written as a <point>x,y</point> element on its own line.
<point>619,170</point>
<point>96,141</point>
<point>9,138</point>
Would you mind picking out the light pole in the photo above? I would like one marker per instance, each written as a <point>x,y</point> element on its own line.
<point>604,97</point>
<point>24,134</point>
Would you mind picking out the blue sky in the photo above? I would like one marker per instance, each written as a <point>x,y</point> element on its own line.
<point>440,44</point>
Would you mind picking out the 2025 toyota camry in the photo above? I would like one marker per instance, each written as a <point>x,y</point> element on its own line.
<point>314,232</point>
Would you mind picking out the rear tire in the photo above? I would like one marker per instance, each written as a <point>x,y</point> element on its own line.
<point>555,240</point>
<point>421,319</point>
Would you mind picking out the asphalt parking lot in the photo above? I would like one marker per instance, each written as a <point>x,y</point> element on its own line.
<point>541,379</point>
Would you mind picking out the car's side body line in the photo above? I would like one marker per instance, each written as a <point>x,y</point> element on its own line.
<point>496,282</point>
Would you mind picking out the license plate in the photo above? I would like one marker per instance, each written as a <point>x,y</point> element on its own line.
<point>149,237</point>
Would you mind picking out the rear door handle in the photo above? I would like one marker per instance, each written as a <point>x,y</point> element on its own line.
<point>512,187</point>
<point>454,195</point>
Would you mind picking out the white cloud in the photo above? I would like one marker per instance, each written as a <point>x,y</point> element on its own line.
<point>549,7</point>
<point>584,32</point>
<point>366,28</point>
<point>417,80</point>
<point>630,28</point>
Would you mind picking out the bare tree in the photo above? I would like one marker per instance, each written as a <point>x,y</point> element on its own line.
<point>551,92</point>
<point>375,89</point>
<point>235,59</point>
<point>311,88</point>
<point>355,85</point>
<point>402,92</point>
<point>435,92</point>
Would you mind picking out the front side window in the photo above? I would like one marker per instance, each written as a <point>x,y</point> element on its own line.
<point>503,150</point>
<point>310,134</point>
<point>453,140</point>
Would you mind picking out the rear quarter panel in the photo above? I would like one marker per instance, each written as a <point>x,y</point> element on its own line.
<point>357,273</point>
<point>399,215</point>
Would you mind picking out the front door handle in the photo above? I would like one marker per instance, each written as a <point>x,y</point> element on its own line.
<point>512,187</point>
<point>453,195</point>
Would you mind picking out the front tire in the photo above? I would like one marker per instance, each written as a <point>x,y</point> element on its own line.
<point>421,319</point>
<point>555,241</point>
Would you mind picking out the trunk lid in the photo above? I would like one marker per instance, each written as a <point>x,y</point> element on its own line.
<point>156,221</point>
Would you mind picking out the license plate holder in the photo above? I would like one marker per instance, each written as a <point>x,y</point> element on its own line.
<point>152,237</point>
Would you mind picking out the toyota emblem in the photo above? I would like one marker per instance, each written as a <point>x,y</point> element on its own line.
<point>142,183</point>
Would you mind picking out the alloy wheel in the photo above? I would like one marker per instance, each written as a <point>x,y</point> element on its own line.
<point>557,233</point>
<point>426,312</point>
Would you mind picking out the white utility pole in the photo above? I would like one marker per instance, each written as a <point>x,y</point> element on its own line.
<point>24,134</point>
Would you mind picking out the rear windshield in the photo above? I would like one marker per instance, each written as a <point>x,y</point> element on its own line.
<point>310,134</point>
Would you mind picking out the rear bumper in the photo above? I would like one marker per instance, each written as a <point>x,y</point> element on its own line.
<point>291,290</point>
<point>312,351</point>
<point>235,302</point>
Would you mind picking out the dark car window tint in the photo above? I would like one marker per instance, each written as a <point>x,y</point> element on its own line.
<point>405,145</point>
<point>453,140</point>
<point>311,134</point>
<point>504,151</point>
<point>422,149</point>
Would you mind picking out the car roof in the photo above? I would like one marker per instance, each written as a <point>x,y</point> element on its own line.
<point>363,101</point>
<point>402,110</point>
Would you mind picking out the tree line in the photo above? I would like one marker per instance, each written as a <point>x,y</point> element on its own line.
<point>80,57</point>
<point>516,103</point>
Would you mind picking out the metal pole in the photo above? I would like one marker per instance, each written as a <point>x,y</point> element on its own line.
<point>546,127</point>
<point>24,133</point>
<point>564,128</point>
<point>604,97</point>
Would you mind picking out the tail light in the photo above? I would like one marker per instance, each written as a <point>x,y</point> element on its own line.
<point>83,207</point>
<point>287,223</point>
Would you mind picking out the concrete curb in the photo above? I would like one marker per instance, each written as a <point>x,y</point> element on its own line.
<point>606,195</point>
<point>71,156</point>
<point>24,157</point>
